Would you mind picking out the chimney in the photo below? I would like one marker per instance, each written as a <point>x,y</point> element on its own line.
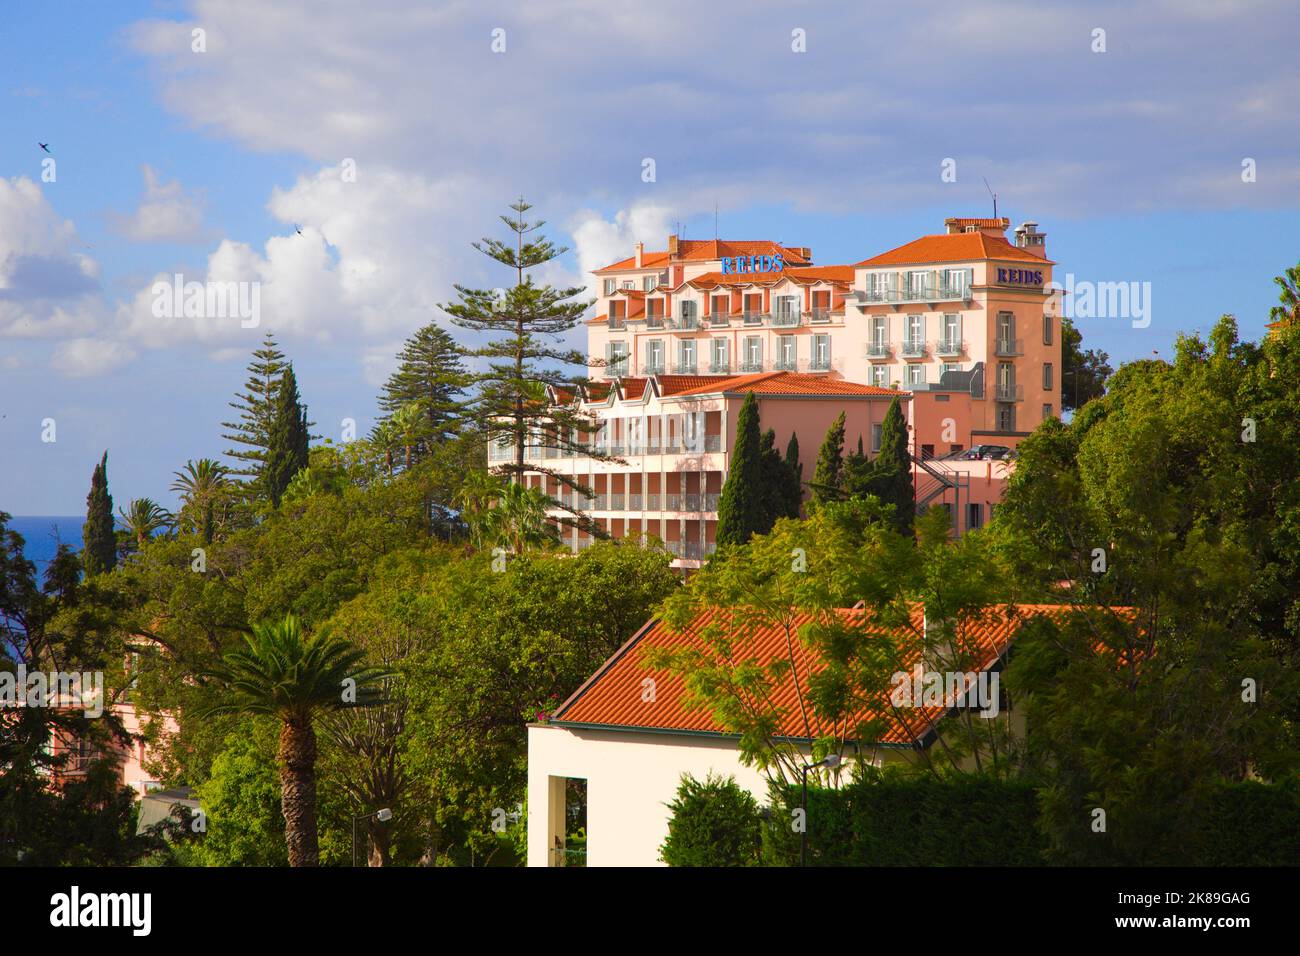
<point>640,254</point>
<point>1031,240</point>
<point>672,247</point>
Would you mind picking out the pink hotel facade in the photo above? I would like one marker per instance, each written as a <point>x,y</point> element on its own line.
<point>959,324</point>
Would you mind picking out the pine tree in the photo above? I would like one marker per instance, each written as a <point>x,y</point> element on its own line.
<point>794,469</point>
<point>528,354</point>
<point>286,453</point>
<point>830,461</point>
<point>742,511</point>
<point>99,543</point>
<point>256,407</point>
<point>891,479</point>
<point>431,376</point>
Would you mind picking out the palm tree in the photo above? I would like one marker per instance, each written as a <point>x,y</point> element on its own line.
<point>1289,283</point>
<point>385,437</point>
<point>520,519</point>
<point>474,499</point>
<point>200,484</point>
<point>142,517</point>
<point>409,424</point>
<point>282,674</point>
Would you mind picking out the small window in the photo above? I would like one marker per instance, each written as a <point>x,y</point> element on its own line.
<point>610,286</point>
<point>650,283</point>
<point>974,516</point>
<point>876,432</point>
<point>1047,376</point>
<point>1047,330</point>
<point>1047,412</point>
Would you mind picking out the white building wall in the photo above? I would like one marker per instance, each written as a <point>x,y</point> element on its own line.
<point>631,778</point>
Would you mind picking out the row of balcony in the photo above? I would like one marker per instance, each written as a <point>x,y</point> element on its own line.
<point>927,292</point>
<point>681,446</point>
<point>695,503</point>
<point>616,369</point>
<point>943,348</point>
<point>680,323</point>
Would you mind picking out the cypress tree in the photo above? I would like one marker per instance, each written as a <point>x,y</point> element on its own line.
<point>430,375</point>
<point>892,474</point>
<point>741,509</point>
<point>830,462</point>
<point>99,543</point>
<point>776,482</point>
<point>286,452</point>
<point>794,470</point>
<point>257,408</point>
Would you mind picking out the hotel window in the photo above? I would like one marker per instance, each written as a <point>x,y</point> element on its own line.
<point>1047,330</point>
<point>650,283</point>
<point>686,357</point>
<point>654,313</point>
<point>616,358</point>
<point>654,356</point>
<point>880,376</point>
<point>951,332</point>
<point>754,308</point>
<point>918,284</point>
<point>956,282</point>
<point>718,358</point>
<point>915,330</point>
<point>821,304</point>
<point>879,334</point>
<point>610,286</point>
<point>1006,331</point>
<point>721,308</point>
<point>785,352</point>
<point>689,312</point>
<point>1047,376</point>
<point>629,284</point>
<point>876,431</point>
<point>974,516</point>
<point>617,311</point>
<point>821,352</point>
<point>915,374</point>
<point>753,354</point>
<point>787,310</point>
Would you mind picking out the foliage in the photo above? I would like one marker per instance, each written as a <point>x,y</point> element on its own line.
<point>830,460</point>
<point>287,439</point>
<point>99,548</point>
<point>742,508</point>
<point>1083,372</point>
<point>714,823</point>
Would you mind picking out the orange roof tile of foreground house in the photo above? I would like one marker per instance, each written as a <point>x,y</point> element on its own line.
<point>779,383</point>
<point>613,697</point>
<point>952,247</point>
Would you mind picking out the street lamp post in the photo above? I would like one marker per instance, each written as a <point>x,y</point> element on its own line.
<point>383,815</point>
<point>832,760</point>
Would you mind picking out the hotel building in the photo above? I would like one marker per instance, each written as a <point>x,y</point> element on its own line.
<point>958,324</point>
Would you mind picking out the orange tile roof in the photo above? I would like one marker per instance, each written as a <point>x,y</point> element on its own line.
<point>785,383</point>
<point>633,388</point>
<point>613,696</point>
<point>698,250</point>
<point>678,384</point>
<point>952,247</point>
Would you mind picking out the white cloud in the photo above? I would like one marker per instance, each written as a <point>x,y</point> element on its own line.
<point>167,213</point>
<point>87,357</point>
<point>598,241</point>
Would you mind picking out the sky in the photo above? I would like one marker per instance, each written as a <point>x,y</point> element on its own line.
<point>1152,142</point>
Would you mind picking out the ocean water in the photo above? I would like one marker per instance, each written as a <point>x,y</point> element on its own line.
<point>44,533</point>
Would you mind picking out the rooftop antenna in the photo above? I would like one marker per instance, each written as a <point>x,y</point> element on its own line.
<point>993,194</point>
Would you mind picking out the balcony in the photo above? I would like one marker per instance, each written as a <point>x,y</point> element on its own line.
<point>913,349</point>
<point>879,350</point>
<point>686,323</point>
<point>653,368</point>
<point>820,364</point>
<point>752,318</point>
<point>654,322</point>
<point>719,368</point>
<point>718,320</point>
<point>684,368</point>
<point>617,323</point>
<point>1006,392</point>
<point>751,366</point>
<point>710,502</point>
<point>713,443</point>
<point>785,320</point>
<point>959,292</point>
<point>1008,347</point>
<point>651,502</point>
<point>948,348</point>
<point>819,316</point>
<point>785,365</point>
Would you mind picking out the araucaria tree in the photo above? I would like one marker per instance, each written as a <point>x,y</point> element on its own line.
<point>431,376</point>
<point>99,549</point>
<point>252,433</point>
<point>527,323</point>
<point>295,679</point>
<point>286,452</point>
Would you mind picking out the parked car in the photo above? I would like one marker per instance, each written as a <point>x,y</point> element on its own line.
<point>983,453</point>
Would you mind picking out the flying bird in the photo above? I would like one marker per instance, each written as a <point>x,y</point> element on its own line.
<point>298,227</point>
<point>45,146</point>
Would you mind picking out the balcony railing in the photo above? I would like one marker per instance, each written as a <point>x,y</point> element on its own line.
<point>817,316</point>
<point>751,366</point>
<point>719,320</point>
<point>913,348</point>
<point>653,368</point>
<point>879,350</point>
<point>1003,392</point>
<point>686,323</point>
<point>713,443</point>
<point>820,364</point>
<point>710,502</point>
<point>652,502</point>
<point>654,321</point>
<point>1009,346</point>
<point>719,368</point>
<point>785,320</point>
<point>950,347</point>
<point>684,368</point>
<point>785,365</point>
<point>752,318</point>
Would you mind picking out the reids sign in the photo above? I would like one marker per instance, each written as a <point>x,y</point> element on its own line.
<point>736,265</point>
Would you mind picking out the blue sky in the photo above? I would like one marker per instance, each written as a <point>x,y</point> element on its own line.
<point>170,160</point>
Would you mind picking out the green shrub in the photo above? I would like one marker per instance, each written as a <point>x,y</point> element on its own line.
<point>714,823</point>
